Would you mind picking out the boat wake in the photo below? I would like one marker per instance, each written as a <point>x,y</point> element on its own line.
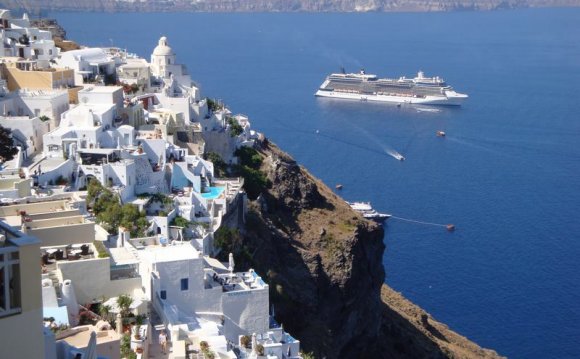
<point>396,155</point>
<point>425,109</point>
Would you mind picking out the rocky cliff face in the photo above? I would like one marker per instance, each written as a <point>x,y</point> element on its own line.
<point>34,6</point>
<point>323,262</point>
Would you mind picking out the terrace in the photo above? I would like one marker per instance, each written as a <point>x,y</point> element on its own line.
<point>51,256</point>
<point>233,282</point>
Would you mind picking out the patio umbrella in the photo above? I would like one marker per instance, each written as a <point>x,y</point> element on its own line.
<point>231,265</point>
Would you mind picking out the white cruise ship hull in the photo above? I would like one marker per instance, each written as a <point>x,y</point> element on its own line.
<point>451,98</point>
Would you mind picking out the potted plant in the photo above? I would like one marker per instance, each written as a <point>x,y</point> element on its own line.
<point>137,328</point>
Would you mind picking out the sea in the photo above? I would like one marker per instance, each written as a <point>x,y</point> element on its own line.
<point>507,173</point>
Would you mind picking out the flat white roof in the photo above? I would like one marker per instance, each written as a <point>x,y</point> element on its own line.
<point>42,94</point>
<point>134,63</point>
<point>172,253</point>
<point>122,256</point>
<point>100,89</point>
<point>97,108</point>
<point>214,263</point>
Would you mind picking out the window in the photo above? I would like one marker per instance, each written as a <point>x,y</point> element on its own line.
<point>9,281</point>
<point>163,294</point>
<point>184,284</point>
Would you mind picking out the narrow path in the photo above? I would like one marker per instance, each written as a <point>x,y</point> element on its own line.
<point>154,346</point>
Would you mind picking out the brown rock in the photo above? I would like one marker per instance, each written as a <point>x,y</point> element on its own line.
<point>323,262</point>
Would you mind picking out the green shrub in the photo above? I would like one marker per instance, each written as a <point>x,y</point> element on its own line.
<point>180,222</point>
<point>219,166</point>
<point>225,239</point>
<point>101,250</point>
<point>213,105</point>
<point>235,128</point>
<point>249,157</point>
<point>109,212</point>
<point>255,182</point>
<point>126,345</point>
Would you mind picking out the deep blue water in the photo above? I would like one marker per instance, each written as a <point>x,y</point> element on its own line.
<point>507,174</point>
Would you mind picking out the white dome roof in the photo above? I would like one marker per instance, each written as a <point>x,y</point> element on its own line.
<point>163,49</point>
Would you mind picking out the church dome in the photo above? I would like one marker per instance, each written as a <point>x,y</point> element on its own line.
<point>163,49</point>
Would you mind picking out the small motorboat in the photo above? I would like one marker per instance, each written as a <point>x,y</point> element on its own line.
<point>368,212</point>
<point>440,133</point>
<point>338,186</point>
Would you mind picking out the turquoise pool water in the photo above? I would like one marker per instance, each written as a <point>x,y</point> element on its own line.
<point>214,192</point>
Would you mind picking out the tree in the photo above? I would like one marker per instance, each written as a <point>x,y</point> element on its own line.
<point>109,213</point>
<point>180,222</point>
<point>249,157</point>
<point>108,210</point>
<point>7,148</point>
<point>94,189</point>
<point>219,166</point>
<point>255,181</point>
<point>228,239</point>
<point>124,302</point>
<point>104,312</point>
<point>235,128</point>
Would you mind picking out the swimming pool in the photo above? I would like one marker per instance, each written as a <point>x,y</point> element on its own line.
<point>214,192</point>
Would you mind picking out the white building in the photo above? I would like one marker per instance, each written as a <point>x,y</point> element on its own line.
<point>183,289</point>
<point>135,71</point>
<point>19,39</point>
<point>175,89</point>
<point>26,132</point>
<point>49,103</point>
<point>21,309</point>
<point>89,64</point>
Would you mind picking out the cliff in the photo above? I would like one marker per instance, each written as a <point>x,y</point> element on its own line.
<point>35,6</point>
<point>323,262</point>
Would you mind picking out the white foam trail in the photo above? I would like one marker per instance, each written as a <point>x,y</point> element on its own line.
<point>474,145</point>
<point>396,155</point>
<point>423,109</point>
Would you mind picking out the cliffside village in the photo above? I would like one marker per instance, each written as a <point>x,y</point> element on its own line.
<point>97,123</point>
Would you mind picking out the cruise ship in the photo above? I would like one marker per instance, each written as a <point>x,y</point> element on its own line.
<point>367,87</point>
